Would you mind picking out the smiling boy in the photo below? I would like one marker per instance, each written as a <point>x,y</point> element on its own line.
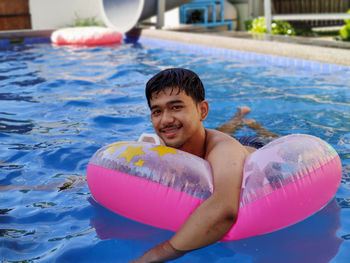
<point>176,98</point>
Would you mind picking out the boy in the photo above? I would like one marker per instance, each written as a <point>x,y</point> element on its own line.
<point>176,99</point>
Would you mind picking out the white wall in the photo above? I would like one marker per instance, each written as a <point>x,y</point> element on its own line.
<point>171,18</point>
<point>51,14</point>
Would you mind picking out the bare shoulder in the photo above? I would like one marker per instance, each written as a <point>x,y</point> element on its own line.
<point>221,143</point>
<point>226,157</point>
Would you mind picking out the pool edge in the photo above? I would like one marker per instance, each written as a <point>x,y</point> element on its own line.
<point>291,50</point>
<point>265,46</point>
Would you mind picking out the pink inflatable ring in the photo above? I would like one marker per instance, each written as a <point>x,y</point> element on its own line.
<point>284,182</point>
<point>86,36</point>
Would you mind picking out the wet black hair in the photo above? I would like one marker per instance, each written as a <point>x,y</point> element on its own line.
<point>176,78</point>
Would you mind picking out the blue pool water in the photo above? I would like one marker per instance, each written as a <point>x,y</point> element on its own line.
<point>58,105</point>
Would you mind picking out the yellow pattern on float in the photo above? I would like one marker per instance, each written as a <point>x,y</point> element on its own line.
<point>163,150</point>
<point>131,151</point>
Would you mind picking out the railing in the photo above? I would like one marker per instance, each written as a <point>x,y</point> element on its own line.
<point>205,6</point>
<point>313,10</point>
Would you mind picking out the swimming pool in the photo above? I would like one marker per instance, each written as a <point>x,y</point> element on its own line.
<point>58,105</point>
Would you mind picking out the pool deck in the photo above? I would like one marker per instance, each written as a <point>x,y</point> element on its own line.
<point>325,51</point>
<point>15,36</point>
<point>332,52</point>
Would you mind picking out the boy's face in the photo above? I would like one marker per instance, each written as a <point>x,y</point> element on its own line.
<point>176,117</point>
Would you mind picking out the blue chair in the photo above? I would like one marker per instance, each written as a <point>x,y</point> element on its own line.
<point>201,9</point>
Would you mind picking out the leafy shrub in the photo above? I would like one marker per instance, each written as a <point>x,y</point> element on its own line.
<point>248,24</point>
<point>345,30</point>
<point>258,25</point>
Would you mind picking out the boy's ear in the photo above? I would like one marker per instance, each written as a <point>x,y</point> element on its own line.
<point>203,109</point>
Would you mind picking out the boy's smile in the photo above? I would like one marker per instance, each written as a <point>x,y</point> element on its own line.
<point>171,130</point>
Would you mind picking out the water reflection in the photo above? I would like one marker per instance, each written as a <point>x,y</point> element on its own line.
<point>70,183</point>
<point>312,240</point>
<point>343,202</point>
<point>17,97</point>
<point>109,225</point>
<point>15,126</point>
<point>5,211</point>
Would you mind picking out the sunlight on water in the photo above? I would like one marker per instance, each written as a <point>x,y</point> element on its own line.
<point>58,105</point>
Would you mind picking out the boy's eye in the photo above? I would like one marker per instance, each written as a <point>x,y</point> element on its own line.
<point>155,112</point>
<point>177,107</point>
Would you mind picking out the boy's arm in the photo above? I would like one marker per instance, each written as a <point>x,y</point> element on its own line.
<point>216,215</point>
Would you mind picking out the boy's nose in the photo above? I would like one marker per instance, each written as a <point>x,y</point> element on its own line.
<point>167,118</point>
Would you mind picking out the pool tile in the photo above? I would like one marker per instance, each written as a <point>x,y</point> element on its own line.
<point>36,40</point>
<point>4,42</point>
<point>307,64</point>
<point>325,68</point>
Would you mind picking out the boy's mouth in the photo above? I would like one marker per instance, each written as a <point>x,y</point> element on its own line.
<point>171,131</point>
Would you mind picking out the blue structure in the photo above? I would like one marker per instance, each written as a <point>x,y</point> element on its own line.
<point>197,13</point>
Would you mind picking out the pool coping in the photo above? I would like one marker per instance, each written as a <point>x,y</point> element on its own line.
<point>264,46</point>
<point>19,36</point>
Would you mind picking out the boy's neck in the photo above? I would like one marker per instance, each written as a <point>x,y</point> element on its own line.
<point>197,144</point>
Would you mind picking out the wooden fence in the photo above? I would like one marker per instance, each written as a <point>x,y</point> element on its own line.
<point>14,14</point>
<point>311,7</point>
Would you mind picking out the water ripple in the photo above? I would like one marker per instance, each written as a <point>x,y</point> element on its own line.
<point>58,105</point>
<point>17,97</point>
<point>79,234</point>
<point>15,126</point>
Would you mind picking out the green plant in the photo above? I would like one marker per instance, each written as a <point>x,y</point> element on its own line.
<point>258,25</point>
<point>248,24</point>
<point>90,21</point>
<point>345,30</point>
